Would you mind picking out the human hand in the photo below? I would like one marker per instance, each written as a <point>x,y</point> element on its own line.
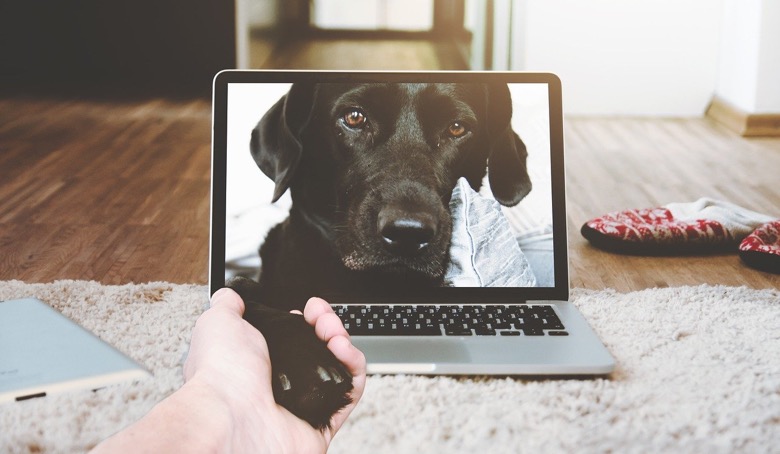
<point>229,359</point>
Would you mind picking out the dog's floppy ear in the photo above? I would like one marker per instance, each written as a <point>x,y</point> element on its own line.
<point>507,170</point>
<point>276,140</point>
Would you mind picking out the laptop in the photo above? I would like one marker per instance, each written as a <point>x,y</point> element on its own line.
<point>493,299</point>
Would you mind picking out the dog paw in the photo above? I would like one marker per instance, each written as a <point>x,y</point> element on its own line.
<point>307,379</point>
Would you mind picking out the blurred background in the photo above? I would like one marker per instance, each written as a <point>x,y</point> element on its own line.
<point>628,57</point>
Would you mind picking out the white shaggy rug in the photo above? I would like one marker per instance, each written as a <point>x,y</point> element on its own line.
<point>698,371</point>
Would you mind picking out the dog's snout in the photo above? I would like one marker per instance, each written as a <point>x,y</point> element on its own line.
<point>405,233</point>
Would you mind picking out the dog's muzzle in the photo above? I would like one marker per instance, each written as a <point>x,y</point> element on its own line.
<point>405,233</point>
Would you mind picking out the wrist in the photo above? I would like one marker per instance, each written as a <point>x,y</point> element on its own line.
<point>204,419</point>
<point>189,420</point>
<point>230,421</point>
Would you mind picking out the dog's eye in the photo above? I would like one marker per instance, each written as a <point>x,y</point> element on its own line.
<point>355,118</point>
<point>457,129</point>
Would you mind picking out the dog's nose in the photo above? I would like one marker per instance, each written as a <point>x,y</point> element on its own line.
<point>405,233</point>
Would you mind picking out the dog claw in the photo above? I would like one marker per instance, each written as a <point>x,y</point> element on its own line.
<point>285,382</point>
<point>336,376</point>
<point>323,373</point>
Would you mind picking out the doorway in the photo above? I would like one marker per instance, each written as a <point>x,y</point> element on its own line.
<point>364,35</point>
<point>378,15</point>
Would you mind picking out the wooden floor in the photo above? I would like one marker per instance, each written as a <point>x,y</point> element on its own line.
<point>384,55</point>
<point>118,191</point>
<point>621,163</point>
<point>110,191</point>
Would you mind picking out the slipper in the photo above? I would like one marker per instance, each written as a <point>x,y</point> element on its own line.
<point>761,249</point>
<point>703,226</point>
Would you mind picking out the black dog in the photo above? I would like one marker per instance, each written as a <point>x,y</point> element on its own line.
<point>371,169</point>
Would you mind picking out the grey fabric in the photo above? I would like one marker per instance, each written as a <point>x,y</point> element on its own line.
<point>484,251</point>
<point>537,246</point>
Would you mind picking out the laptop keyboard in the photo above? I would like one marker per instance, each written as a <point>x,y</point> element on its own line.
<point>451,320</point>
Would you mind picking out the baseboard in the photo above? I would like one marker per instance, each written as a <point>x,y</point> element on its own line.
<point>743,123</point>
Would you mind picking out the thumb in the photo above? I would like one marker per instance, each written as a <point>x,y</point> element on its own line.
<point>228,299</point>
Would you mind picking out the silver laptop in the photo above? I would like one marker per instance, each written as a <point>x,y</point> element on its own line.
<point>427,208</point>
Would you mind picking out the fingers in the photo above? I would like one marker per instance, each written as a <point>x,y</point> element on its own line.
<point>355,362</point>
<point>348,354</point>
<point>224,316</point>
<point>314,308</point>
<point>327,324</point>
<point>329,328</point>
<point>228,299</point>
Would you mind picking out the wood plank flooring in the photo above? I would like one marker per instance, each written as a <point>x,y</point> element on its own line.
<point>110,191</point>
<point>621,163</point>
<point>381,55</point>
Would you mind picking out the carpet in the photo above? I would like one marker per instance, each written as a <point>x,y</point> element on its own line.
<point>698,371</point>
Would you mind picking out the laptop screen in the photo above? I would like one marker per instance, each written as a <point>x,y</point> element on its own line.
<point>411,186</point>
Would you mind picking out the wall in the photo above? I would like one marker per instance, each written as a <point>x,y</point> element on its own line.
<point>149,46</point>
<point>749,71</point>
<point>259,26</point>
<point>768,87</point>
<point>410,15</point>
<point>627,57</point>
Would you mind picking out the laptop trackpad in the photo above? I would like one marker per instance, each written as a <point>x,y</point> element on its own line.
<point>410,354</point>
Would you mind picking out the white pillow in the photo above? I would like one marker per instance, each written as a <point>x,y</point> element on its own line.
<point>484,251</point>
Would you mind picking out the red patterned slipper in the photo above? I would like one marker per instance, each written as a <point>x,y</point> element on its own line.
<point>703,226</point>
<point>761,249</point>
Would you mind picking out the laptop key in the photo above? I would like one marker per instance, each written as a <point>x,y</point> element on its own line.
<point>483,331</point>
<point>457,331</point>
<point>533,332</point>
<point>398,331</point>
<point>554,325</point>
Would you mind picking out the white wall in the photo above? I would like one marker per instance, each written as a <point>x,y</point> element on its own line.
<point>631,57</point>
<point>262,13</point>
<point>411,15</point>
<point>626,57</point>
<point>768,86</point>
<point>749,71</point>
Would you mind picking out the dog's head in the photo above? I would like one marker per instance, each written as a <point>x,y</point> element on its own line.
<point>373,166</point>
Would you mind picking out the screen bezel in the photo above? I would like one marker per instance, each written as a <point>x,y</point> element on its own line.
<point>455,295</point>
